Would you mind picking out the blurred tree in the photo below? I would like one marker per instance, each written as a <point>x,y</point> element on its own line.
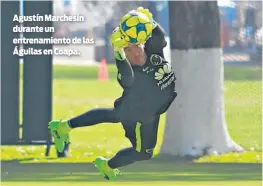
<point>98,14</point>
<point>196,120</point>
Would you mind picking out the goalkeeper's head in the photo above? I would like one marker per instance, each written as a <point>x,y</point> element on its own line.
<point>124,50</point>
<point>135,54</point>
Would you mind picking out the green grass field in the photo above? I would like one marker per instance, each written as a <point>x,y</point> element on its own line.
<point>76,90</point>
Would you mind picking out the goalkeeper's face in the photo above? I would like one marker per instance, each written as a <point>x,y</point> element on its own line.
<point>135,54</point>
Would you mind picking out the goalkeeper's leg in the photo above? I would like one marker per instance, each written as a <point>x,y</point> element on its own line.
<point>60,128</point>
<point>94,117</point>
<point>143,138</point>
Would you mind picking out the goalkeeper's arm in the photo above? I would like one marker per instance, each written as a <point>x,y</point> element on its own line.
<point>125,73</point>
<point>157,42</point>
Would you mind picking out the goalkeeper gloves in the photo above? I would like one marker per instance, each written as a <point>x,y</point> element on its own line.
<point>119,43</point>
<point>148,14</point>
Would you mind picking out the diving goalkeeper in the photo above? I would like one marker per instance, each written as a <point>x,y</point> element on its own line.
<point>148,83</point>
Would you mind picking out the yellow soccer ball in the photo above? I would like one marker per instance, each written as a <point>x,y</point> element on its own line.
<point>136,27</point>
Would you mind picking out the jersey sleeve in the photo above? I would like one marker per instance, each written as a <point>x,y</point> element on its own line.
<point>157,42</point>
<point>125,74</point>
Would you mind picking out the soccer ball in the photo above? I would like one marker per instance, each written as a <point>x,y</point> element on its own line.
<point>136,27</point>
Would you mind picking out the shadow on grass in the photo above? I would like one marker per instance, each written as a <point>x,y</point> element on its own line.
<point>154,170</point>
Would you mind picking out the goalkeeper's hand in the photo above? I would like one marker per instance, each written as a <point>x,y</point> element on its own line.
<point>148,14</point>
<point>119,43</point>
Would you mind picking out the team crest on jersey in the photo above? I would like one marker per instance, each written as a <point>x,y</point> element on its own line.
<point>156,59</point>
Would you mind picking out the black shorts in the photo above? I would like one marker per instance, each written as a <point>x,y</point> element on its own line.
<point>143,134</point>
<point>134,110</point>
<point>141,127</point>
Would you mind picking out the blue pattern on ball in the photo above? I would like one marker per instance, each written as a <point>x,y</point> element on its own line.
<point>133,40</point>
<point>124,26</point>
<point>140,27</point>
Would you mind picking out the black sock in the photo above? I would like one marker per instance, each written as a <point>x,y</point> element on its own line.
<point>94,117</point>
<point>126,157</point>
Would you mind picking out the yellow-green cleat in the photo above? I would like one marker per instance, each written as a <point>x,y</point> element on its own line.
<point>101,164</point>
<point>60,131</point>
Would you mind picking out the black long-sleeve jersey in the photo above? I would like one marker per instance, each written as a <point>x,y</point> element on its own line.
<point>147,88</point>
